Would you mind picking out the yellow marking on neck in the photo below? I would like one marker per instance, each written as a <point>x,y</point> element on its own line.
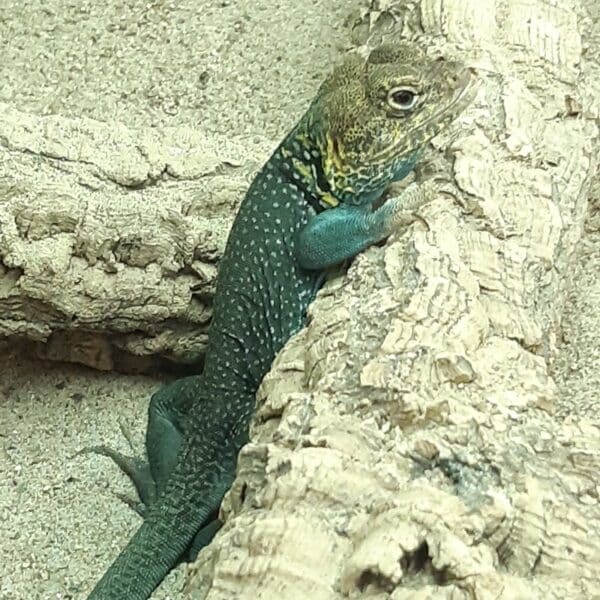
<point>306,172</point>
<point>302,168</point>
<point>333,154</point>
<point>303,139</point>
<point>329,199</point>
<point>325,198</point>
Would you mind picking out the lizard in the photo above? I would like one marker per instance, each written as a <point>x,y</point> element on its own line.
<point>314,204</point>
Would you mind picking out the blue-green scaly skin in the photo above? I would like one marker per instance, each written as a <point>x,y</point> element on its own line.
<point>290,227</point>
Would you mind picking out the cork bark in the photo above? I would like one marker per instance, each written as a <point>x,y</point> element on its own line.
<point>110,236</point>
<point>406,443</point>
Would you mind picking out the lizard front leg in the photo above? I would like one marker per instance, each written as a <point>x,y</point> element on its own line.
<point>342,232</point>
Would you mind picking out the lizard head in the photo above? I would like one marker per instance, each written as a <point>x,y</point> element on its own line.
<point>371,117</point>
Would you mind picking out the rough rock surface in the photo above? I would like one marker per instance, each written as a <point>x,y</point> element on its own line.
<point>241,72</point>
<point>110,235</point>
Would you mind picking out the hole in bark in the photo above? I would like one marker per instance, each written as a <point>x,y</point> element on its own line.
<point>417,561</point>
<point>418,571</point>
<point>418,565</point>
<point>243,492</point>
<point>374,581</point>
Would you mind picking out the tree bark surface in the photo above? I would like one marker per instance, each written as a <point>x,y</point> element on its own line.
<point>110,236</point>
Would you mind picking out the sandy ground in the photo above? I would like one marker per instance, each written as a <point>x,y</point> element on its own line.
<point>59,518</point>
<point>246,67</point>
<point>231,67</point>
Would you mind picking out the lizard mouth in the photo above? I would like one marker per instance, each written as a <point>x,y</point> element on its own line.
<point>467,86</point>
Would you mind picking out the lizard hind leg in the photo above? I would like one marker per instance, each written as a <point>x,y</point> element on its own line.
<point>135,468</point>
<point>148,474</point>
<point>167,414</point>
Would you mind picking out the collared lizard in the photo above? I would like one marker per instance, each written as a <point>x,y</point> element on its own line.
<point>311,206</point>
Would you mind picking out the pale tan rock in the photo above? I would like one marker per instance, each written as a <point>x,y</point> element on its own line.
<point>110,236</point>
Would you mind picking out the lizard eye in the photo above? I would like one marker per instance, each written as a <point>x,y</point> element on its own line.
<point>403,98</point>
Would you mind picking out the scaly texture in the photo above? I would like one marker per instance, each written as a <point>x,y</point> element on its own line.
<point>310,207</point>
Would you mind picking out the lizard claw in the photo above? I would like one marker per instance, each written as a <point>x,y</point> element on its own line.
<point>135,505</point>
<point>402,210</point>
<point>126,432</point>
<point>135,468</point>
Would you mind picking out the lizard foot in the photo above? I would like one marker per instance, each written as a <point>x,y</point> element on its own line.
<point>138,471</point>
<point>402,210</point>
<point>136,468</point>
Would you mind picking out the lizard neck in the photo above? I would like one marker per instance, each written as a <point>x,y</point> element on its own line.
<point>301,160</point>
